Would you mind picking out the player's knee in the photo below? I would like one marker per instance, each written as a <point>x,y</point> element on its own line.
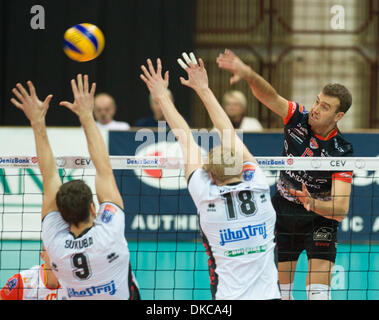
<point>318,292</point>
<point>286,291</point>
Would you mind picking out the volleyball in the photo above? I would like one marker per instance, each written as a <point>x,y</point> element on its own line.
<point>83,42</point>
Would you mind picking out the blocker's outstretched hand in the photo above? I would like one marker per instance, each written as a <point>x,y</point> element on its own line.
<point>84,98</point>
<point>197,75</point>
<point>154,81</point>
<point>35,110</point>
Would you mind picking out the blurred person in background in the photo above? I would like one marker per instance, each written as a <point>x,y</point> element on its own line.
<point>235,105</point>
<point>152,121</point>
<point>105,110</point>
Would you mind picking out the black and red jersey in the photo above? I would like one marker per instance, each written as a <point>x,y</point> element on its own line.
<point>301,141</point>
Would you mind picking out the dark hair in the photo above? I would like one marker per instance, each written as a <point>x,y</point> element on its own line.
<point>74,199</point>
<point>342,93</point>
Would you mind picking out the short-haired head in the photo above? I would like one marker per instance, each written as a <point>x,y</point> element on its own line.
<point>74,200</point>
<point>235,104</point>
<point>105,108</point>
<point>223,164</point>
<point>342,93</point>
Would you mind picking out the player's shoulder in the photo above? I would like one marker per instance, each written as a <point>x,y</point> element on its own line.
<point>13,289</point>
<point>107,211</point>
<point>341,145</point>
<point>297,113</point>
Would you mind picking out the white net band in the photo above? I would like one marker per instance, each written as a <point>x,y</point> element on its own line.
<point>266,163</point>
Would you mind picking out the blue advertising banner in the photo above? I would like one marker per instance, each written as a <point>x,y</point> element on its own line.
<point>159,207</point>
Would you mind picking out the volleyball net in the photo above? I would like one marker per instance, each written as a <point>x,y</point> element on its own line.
<point>162,229</point>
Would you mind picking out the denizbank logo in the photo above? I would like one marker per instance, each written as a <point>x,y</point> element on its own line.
<point>14,160</point>
<point>271,162</point>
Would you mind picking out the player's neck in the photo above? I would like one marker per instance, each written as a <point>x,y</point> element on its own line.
<point>229,181</point>
<point>77,231</point>
<point>323,131</point>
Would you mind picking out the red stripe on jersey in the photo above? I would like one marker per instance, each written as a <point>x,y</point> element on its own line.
<point>14,289</point>
<point>330,135</point>
<point>291,111</point>
<point>343,176</point>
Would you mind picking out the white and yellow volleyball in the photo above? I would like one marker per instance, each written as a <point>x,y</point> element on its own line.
<point>83,42</point>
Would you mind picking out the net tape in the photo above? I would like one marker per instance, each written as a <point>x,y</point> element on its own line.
<point>266,163</point>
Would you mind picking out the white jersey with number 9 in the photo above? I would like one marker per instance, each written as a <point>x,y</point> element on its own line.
<point>96,264</point>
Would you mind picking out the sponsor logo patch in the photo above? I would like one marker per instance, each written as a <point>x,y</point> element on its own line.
<point>108,213</point>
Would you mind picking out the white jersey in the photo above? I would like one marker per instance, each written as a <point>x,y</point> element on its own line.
<point>96,264</point>
<point>30,284</point>
<point>237,222</point>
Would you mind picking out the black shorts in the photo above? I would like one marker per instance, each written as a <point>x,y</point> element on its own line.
<point>298,229</point>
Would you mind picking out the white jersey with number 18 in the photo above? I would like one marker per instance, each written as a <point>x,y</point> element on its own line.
<point>237,222</point>
<point>94,265</point>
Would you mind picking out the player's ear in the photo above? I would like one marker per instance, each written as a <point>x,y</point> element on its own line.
<point>93,210</point>
<point>339,116</point>
<point>212,177</point>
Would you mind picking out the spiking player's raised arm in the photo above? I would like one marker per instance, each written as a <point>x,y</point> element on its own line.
<point>35,110</point>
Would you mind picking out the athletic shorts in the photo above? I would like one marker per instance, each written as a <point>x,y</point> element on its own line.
<point>298,229</point>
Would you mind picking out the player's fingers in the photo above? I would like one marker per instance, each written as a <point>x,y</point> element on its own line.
<point>166,76</point>
<point>201,63</point>
<point>85,84</point>
<point>151,67</point>
<point>182,64</point>
<point>146,72</point>
<point>184,81</point>
<point>144,79</point>
<point>17,104</point>
<point>74,87</point>
<point>22,90</point>
<point>193,58</point>
<point>304,188</point>
<point>67,105</point>
<point>48,99</point>
<point>80,83</point>
<point>186,58</point>
<point>229,52</point>
<point>18,95</point>
<point>93,89</point>
<point>159,66</point>
<point>32,89</point>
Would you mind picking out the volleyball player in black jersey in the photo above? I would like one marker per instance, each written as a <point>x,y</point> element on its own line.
<point>309,204</point>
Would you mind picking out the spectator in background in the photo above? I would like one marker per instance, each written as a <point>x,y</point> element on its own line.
<point>234,103</point>
<point>105,110</point>
<point>157,114</point>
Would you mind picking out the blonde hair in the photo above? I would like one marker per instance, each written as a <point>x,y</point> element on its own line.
<point>223,164</point>
<point>237,95</point>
